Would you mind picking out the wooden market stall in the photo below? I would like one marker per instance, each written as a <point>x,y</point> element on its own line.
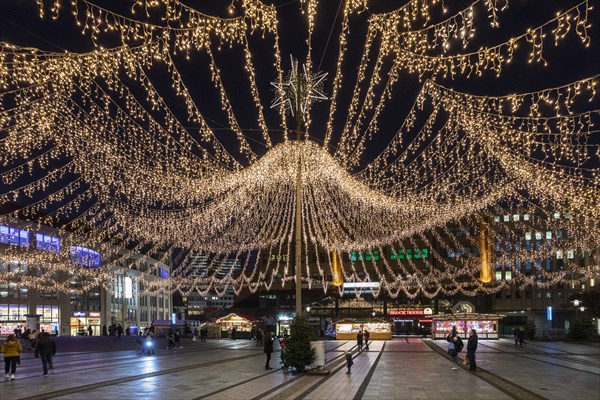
<point>379,329</point>
<point>243,326</point>
<point>486,325</point>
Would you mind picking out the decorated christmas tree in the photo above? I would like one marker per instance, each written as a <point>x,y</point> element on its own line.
<point>298,353</point>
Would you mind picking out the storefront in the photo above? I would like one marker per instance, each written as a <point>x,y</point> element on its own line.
<point>411,321</point>
<point>82,320</point>
<point>486,325</point>
<point>243,326</point>
<point>12,316</point>
<point>347,329</point>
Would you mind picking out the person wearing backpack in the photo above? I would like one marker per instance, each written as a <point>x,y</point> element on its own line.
<point>455,347</point>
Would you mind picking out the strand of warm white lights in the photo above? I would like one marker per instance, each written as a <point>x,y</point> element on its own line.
<point>339,211</point>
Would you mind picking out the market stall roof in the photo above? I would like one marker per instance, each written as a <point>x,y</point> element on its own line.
<point>469,316</point>
<point>346,321</point>
<point>233,317</point>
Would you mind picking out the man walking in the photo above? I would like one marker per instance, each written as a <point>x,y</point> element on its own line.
<point>471,348</point>
<point>45,348</point>
<point>268,348</point>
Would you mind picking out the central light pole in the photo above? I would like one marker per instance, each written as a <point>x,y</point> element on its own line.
<point>296,94</point>
<point>299,116</point>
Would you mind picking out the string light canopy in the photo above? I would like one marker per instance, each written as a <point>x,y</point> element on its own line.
<point>119,150</point>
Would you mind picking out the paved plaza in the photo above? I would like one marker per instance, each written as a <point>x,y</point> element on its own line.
<point>402,368</point>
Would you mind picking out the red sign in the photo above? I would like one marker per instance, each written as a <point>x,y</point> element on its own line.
<point>395,313</point>
<point>425,321</point>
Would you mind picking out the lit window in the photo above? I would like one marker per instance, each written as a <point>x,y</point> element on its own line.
<point>506,218</point>
<point>508,275</point>
<point>567,215</point>
<point>498,275</point>
<point>556,215</point>
<point>425,253</point>
<point>559,255</point>
<point>525,217</point>
<point>538,236</point>
<point>14,236</point>
<point>47,243</point>
<point>496,218</point>
<point>527,235</point>
<point>515,217</point>
<point>85,257</point>
<point>570,254</point>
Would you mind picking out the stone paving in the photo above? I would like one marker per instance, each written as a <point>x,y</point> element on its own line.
<point>404,368</point>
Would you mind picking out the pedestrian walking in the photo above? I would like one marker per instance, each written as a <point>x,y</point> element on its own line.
<point>349,362</point>
<point>203,334</point>
<point>32,338</point>
<point>366,335</point>
<point>12,356</point>
<point>259,337</point>
<point>177,340</point>
<point>90,330</point>
<point>45,348</point>
<point>359,340</point>
<point>471,348</point>
<point>268,349</point>
<point>521,336</point>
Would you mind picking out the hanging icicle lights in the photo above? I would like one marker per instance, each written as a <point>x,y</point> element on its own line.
<point>90,138</point>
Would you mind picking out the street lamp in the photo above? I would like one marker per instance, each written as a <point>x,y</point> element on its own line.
<point>307,309</point>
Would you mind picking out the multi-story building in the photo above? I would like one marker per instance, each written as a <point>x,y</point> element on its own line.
<point>456,245</point>
<point>83,304</point>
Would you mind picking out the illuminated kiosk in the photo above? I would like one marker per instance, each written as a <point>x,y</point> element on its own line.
<point>486,325</point>
<point>242,325</point>
<point>379,329</point>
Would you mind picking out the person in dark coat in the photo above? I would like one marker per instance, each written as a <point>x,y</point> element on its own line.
<point>349,361</point>
<point>366,337</point>
<point>45,348</point>
<point>359,340</point>
<point>521,336</point>
<point>259,337</point>
<point>471,348</point>
<point>268,349</point>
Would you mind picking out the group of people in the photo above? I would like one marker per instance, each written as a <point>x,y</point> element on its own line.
<point>29,336</point>
<point>45,349</point>
<point>201,334</point>
<point>455,346</point>
<point>362,336</point>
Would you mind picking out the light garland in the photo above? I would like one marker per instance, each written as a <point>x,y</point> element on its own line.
<point>79,144</point>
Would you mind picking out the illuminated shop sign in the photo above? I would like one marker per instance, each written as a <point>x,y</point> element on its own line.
<point>405,312</point>
<point>79,314</point>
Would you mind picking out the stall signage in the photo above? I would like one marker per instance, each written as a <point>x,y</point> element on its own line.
<point>405,312</point>
<point>425,321</point>
<point>95,314</point>
<point>79,314</point>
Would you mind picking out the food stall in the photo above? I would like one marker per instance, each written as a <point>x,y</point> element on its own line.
<point>486,325</point>
<point>379,329</point>
<point>242,325</point>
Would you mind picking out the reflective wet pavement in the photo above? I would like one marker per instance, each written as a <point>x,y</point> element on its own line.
<point>407,368</point>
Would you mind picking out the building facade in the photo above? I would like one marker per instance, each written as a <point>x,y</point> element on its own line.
<point>84,307</point>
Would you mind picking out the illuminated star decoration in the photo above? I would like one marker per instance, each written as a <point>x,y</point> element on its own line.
<point>305,88</point>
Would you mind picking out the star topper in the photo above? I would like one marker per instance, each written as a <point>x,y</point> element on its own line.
<point>299,90</point>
